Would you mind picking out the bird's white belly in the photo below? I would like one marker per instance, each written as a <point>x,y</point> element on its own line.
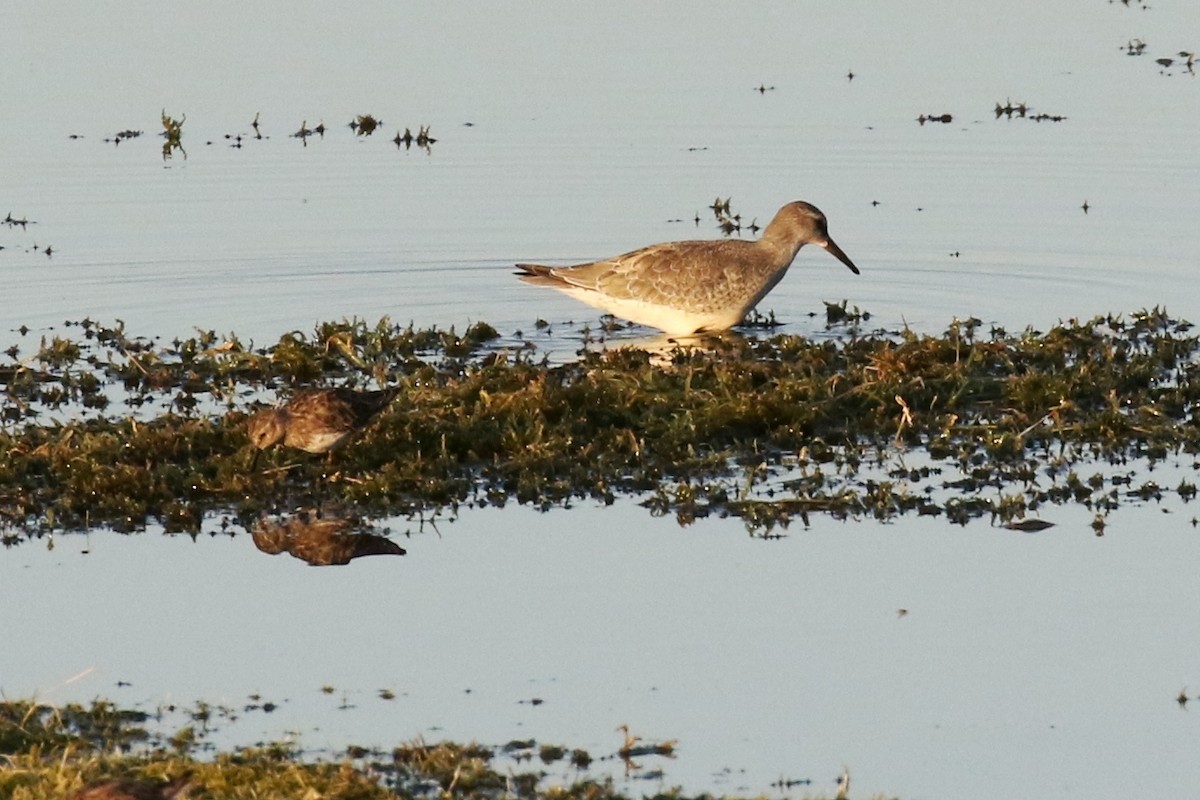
<point>322,442</point>
<point>674,321</point>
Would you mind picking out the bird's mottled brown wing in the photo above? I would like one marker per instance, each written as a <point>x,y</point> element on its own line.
<point>271,538</point>
<point>693,275</point>
<point>362,406</point>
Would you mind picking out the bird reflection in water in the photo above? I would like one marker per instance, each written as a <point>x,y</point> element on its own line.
<point>321,542</point>
<point>665,349</point>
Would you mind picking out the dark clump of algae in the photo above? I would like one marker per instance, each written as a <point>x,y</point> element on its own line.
<point>103,428</point>
<point>88,752</point>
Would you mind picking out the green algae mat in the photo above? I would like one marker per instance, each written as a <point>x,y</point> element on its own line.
<point>101,427</point>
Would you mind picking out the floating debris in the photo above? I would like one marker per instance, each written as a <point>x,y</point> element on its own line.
<point>1029,525</point>
<point>1186,60</point>
<point>791,783</point>
<point>365,124</point>
<point>943,118</point>
<point>422,139</point>
<point>837,314</point>
<point>728,221</point>
<point>1135,47</point>
<point>306,132</point>
<point>122,136</point>
<point>173,133</point>
<point>13,222</point>
<point>1012,110</point>
<point>763,322</point>
<point>632,748</point>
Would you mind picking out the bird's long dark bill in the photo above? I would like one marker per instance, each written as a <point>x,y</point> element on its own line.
<point>254,459</point>
<point>832,247</point>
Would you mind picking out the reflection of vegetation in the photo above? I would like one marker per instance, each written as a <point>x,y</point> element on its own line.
<point>89,752</point>
<point>14,222</point>
<point>1012,110</point>
<point>965,424</point>
<point>172,132</point>
<point>306,132</point>
<point>423,140</point>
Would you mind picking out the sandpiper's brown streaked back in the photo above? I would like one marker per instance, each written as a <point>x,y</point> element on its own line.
<point>694,286</point>
<point>317,420</point>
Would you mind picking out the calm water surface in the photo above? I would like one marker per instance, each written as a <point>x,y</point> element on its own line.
<point>1044,663</point>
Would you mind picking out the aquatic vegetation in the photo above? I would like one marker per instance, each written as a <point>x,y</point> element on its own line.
<point>13,222</point>
<point>1009,110</point>
<point>98,427</point>
<point>120,136</point>
<point>422,139</point>
<point>92,752</point>
<point>1186,59</point>
<point>173,134</point>
<point>304,132</point>
<point>364,124</point>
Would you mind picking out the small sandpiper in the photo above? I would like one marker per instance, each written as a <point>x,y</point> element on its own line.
<point>692,287</point>
<point>317,420</point>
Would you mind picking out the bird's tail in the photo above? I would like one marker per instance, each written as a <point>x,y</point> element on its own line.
<point>538,275</point>
<point>534,269</point>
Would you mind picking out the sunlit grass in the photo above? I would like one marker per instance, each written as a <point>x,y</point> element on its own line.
<point>104,428</point>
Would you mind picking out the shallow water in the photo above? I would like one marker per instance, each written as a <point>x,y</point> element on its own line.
<point>1026,663</point>
<point>1043,663</point>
